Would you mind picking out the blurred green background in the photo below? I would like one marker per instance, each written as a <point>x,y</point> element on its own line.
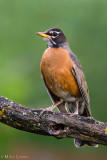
<point>84,23</point>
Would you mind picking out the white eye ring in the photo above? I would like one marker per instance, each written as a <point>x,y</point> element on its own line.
<point>53,34</point>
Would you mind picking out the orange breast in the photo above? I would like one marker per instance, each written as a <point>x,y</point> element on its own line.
<point>56,67</point>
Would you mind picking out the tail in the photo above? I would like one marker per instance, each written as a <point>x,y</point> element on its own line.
<point>83,112</point>
<point>80,143</point>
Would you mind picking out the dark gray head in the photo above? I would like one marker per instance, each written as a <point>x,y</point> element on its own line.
<point>54,37</point>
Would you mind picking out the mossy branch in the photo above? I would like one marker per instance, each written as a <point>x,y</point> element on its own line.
<point>59,125</point>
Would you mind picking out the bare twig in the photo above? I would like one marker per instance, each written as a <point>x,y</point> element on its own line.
<point>54,124</point>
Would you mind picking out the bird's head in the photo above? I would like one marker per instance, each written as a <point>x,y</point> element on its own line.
<point>54,37</point>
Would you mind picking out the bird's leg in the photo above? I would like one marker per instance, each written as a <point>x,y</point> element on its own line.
<point>76,112</point>
<point>76,107</point>
<point>62,107</point>
<point>51,107</point>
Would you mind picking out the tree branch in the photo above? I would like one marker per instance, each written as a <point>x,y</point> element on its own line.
<point>59,125</point>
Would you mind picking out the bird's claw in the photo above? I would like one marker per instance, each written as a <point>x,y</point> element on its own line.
<point>47,109</point>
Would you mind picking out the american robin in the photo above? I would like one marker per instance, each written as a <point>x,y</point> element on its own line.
<point>64,78</point>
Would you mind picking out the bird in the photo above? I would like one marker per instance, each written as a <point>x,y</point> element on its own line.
<point>64,78</point>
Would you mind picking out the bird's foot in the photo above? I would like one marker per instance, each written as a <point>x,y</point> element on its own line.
<point>73,114</point>
<point>47,109</point>
<point>76,112</point>
<point>51,107</point>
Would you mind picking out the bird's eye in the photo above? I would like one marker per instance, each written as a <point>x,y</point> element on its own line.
<point>54,34</point>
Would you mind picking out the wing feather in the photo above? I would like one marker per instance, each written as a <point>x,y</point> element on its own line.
<point>81,81</point>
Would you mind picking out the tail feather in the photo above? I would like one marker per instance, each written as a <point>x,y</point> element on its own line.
<point>83,111</point>
<point>80,143</point>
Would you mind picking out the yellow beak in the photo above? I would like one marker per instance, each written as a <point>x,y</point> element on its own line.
<point>43,34</point>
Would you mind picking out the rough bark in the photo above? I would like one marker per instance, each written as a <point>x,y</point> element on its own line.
<point>54,124</point>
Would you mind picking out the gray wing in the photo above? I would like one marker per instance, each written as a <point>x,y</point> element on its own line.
<point>81,81</point>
